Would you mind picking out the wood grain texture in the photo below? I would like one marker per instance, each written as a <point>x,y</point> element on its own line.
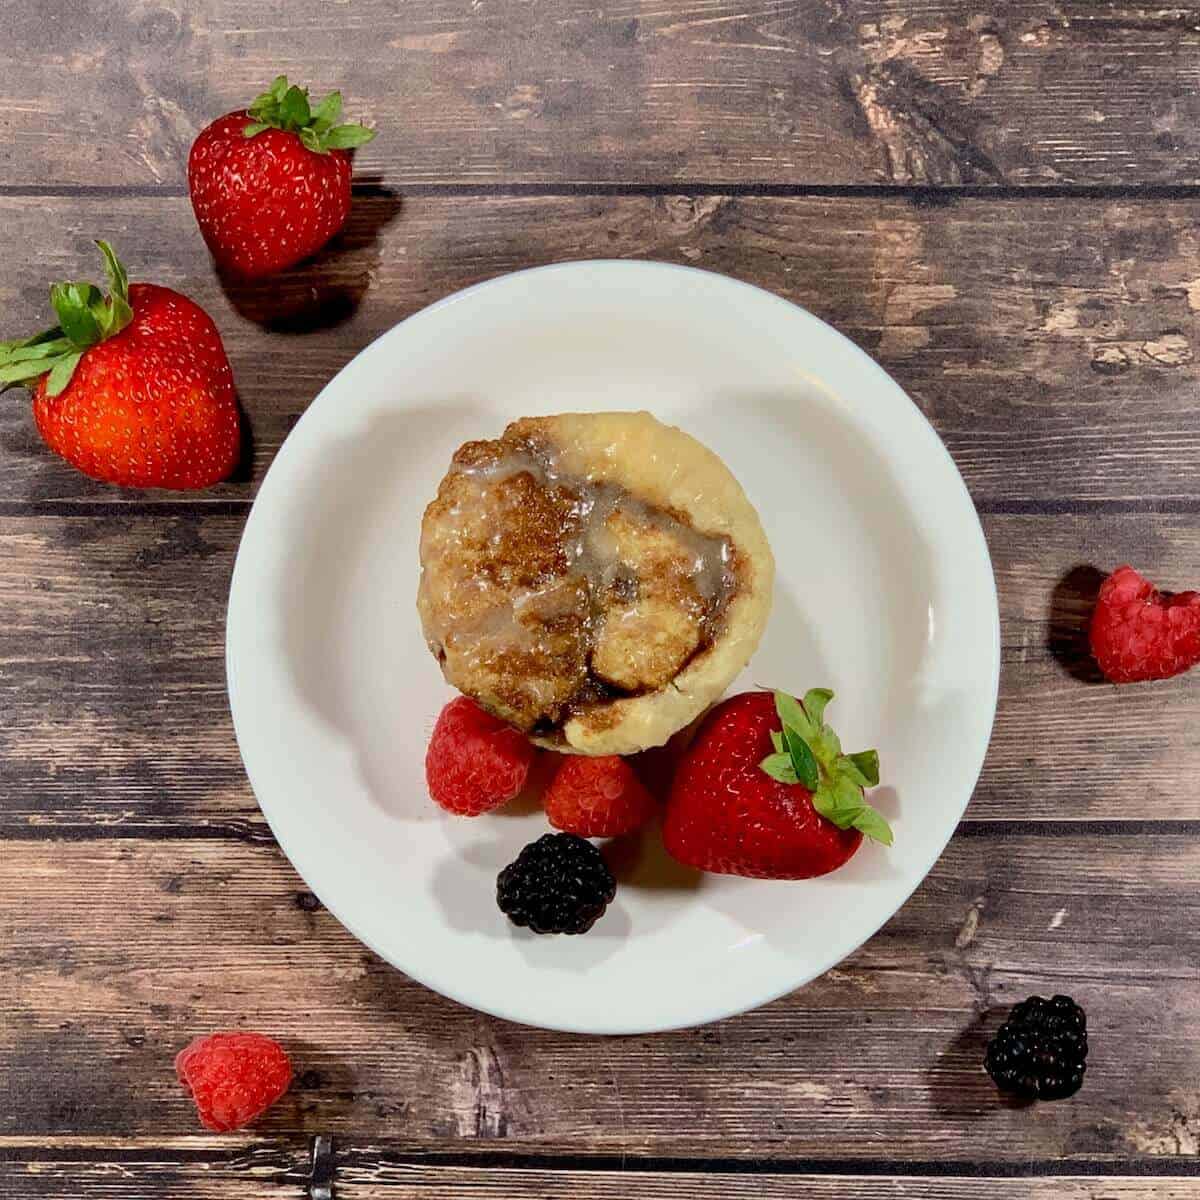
<point>126,1170</point>
<point>120,951</point>
<point>1034,334</point>
<point>371,1172</point>
<point>364,1179</point>
<point>112,678</point>
<point>779,91</point>
<point>1050,340</point>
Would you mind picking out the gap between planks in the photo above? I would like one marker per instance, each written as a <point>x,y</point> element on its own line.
<point>885,1167</point>
<point>342,1153</point>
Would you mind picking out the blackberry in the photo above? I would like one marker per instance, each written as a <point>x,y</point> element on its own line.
<point>1040,1052</point>
<point>558,884</point>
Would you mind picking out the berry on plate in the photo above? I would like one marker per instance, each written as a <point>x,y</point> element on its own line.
<point>270,184</point>
<point>475,762</point>
<point>597,797</point>
<point>766,791</point>
<point>131,388</point>
<point>1040,1052</point>
<point>1139,633</point>
<point>558,884</point>
<point>233,1077</point>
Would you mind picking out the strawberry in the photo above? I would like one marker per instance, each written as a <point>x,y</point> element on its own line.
<point>766,791</point>
<point>132,388</point>
<point>1139,633</point>
<point>270,185</point>
<point>475,762</point>
<point>597,797</point>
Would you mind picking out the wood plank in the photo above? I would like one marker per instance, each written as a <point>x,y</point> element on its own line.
<point>862,92</point>
<point>112,675</point>
<point>366,1177</point>
<point>112,678</point>
<point>370,1174</point>
<point>128,1171</point>
<point>1051,343</point>
<point>116,952</point>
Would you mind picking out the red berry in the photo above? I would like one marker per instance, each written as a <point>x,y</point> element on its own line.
<point>265,203</point>
<point>726,814</point>
<point>1139,633</point>
<point>475,762</point>
<point>270,185</point>
<point>132,387</point>
<point>152,406</point>
<point>597,797</point>
<point>233,1077</point>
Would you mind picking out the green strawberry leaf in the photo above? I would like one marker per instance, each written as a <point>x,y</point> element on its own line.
<point>792,715</point>
<point>809,752</point>
<point>294,112</point>
<point>843,805</point>
<point>825,801</point>
<point>61,373</point>
<point>118,280</point>
<point>72,302</point>
<point>866,763</point>
<point>49,348</point>
<point>347,137</point>
<point>21,371</point>
<point>838,801</point>
<point>826,745</point>
<point>326,113</point>
<point>265,106</point>
<point>815,700</point>
<point>47,335</point>
<point>847,769</point>
<point>871,824</point>
<point>807,771</point>
<point>285,106</point>
<point>847,793</point>
<point>85,316</point>
<point>114,313</point>
<point>779,767</point>
<point>118,314</point>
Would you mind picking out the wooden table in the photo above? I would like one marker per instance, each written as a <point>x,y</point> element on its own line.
<point>1000,203</point>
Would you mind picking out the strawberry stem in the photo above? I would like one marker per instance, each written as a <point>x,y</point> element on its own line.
<point>285,106</point>
<point>809,753</point>
<point>86,316</point>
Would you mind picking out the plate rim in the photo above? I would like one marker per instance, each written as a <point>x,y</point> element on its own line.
<point>973,526</point>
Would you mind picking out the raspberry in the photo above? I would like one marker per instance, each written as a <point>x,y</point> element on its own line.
<point>233,1077</point>
<point>1040,1052</point>
<point>475,762</point>
<point>597,797</point>
<point>558,884</point>
<point>1139,633</point>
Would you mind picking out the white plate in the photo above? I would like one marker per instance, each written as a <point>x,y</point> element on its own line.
<point>885,593</point>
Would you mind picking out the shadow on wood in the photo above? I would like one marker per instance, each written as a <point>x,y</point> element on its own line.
<point>327,289</point>
<point>1071,606</point>
<point>243,471</point>
<point>959,1087</point>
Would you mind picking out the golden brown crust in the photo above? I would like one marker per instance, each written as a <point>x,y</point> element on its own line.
<point>522,658</point>
<point>600,576</point>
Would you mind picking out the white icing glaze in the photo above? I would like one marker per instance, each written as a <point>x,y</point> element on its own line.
<point>622,557</point>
